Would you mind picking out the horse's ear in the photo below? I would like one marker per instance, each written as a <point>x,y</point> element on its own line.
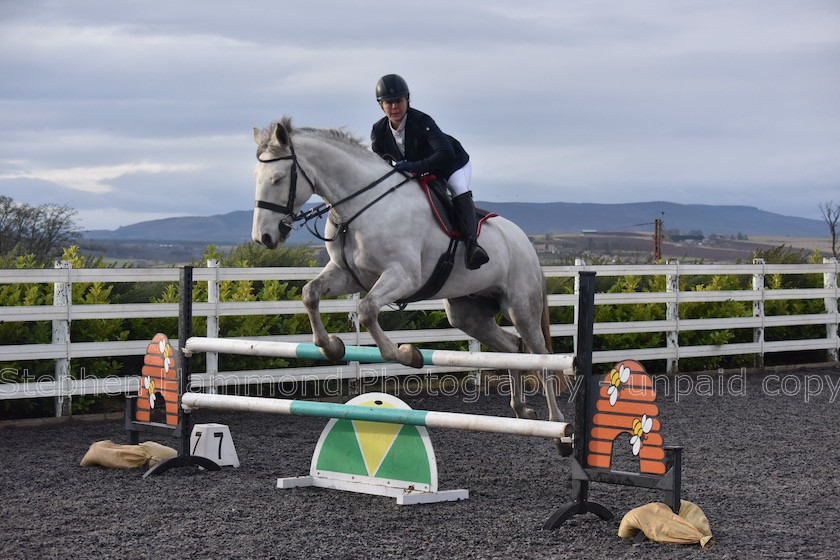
<point>259,136</point>
<point>280,137</point>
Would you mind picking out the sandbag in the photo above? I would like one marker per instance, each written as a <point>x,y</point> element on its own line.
<point>157,452</point>
<point>660,524</point>
<point>115,456</point>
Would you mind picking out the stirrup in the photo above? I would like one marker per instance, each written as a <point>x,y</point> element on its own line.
<point>475,256</point>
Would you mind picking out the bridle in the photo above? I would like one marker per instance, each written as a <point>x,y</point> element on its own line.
<point>290,206</point>
<point>321,209</point>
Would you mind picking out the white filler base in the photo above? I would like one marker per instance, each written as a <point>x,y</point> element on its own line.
<point>404,496</point>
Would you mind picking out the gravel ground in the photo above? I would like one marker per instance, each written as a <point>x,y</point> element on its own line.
<point>761,463</point>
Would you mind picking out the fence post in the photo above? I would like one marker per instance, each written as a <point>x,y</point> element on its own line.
<point>758,311</point>
<point>581,266</point>
<point>63,298</point>
<point>830,282</point>
<point>354,385</point>
<point>474,376</point>
<point>212,358</point>
<point>672,313</point>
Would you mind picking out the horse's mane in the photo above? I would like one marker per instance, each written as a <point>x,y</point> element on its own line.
<point>336,134</point>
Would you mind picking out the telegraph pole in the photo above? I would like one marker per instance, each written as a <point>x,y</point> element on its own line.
<point>657,240</point>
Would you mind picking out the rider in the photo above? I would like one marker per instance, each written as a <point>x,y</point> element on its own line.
<point>413,143</point>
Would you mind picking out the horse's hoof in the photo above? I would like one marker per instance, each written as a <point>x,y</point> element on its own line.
<point>334,350</point>
<point>529,413</point>
<point>565,449</point>
<point>410,356</point>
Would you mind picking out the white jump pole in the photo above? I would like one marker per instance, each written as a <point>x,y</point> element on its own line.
<point>369,354</point>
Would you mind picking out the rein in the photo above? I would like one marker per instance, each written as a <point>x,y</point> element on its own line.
<point>323,208</point>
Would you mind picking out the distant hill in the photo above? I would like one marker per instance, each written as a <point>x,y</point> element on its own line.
<point>533,217</point>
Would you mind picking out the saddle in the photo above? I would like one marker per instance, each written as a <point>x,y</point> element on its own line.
<point>442,208</point>
<point>444,213</point>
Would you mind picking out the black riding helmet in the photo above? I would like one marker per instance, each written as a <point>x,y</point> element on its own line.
<point>391,87</point>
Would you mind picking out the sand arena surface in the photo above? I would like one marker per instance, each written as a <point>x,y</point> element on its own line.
<point>759,460</point>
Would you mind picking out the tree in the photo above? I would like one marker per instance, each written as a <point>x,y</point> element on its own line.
<point>42,231</point>
<point>831,214</point>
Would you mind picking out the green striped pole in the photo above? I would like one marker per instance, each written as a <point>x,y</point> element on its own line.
<point>427,418</point>
<point>370,354</point>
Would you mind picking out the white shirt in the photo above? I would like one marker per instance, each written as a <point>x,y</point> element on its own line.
<point>399,135</point>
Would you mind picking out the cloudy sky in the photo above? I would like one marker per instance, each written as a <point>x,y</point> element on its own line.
<point>134,110</point>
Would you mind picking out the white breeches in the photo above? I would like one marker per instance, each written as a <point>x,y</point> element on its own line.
<point>459,182</point>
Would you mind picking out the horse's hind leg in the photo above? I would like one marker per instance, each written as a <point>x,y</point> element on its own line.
<point>476,316</point>
<point>529,317</point>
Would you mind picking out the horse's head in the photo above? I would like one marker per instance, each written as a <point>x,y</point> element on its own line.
<point>279,193</point>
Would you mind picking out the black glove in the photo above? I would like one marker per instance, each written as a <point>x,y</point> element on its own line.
<point>405,166</point>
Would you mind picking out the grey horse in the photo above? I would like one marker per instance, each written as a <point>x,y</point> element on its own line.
<point>382,239</point>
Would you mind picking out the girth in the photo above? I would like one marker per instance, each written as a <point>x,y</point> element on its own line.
<point>439,276</point>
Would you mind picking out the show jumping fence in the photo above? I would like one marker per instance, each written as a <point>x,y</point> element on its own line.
<point>62,350</point>
<point>606,407</point>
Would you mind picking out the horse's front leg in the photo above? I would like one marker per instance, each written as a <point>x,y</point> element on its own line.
<point>391,286</point>
<point>335,282</point>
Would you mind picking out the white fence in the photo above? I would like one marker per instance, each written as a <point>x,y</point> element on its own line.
<point>62,350</point>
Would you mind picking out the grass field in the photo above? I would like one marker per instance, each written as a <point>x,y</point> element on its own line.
<point>808,243</point>
<point>638,247</point>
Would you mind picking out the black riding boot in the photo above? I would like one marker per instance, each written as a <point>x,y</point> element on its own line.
<point>465,210</point>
